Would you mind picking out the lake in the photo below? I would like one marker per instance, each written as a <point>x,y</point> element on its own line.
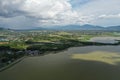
<point>77,63</point>
<point>105,39</point>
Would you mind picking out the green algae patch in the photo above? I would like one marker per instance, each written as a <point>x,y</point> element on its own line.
<point>100,56</point>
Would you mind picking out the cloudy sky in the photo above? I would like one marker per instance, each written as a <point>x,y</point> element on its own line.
<point>20,14</point>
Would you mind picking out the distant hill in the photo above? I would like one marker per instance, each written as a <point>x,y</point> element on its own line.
<point>115,28</point>
<point>71,27</point>
<point>86,27</point>
<point>1,29</point>
<point>77,27</point>
<point>31,29</point>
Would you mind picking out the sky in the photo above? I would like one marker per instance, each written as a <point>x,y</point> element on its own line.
<point>25,14</point>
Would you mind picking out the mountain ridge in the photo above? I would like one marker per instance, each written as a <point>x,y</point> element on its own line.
<point>71,27</point>
<point>85,27</point>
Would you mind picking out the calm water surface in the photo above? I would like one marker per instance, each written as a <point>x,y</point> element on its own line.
<point>105,39</point>
<point>61,66</point>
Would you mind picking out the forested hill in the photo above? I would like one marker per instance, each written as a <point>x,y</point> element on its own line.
<point>71,27</point>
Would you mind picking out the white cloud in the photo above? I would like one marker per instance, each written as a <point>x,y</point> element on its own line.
<point>104,12</point>
<point>45,8</point>
<point>58,12</point>
<point>46,12</point>
<point>53,12</point>
<point>97,7</point>
<point>109,16</point>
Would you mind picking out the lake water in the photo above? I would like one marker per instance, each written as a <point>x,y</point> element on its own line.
<point>77,63</point>
<point>105,39</point>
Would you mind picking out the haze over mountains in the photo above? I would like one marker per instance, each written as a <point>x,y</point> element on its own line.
<point>74,27</point>
<point>85,27</point>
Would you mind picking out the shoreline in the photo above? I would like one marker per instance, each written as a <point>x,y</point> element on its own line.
<point>12,64</point>
<point>47,52</point>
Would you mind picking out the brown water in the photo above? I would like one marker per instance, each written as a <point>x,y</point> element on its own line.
<point>62,66</point>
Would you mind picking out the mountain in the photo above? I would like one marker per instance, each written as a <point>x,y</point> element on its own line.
<point>114,28</point>
<point>90,27</point>
<point>85,27</point>
<point>2,29</point>
<point>71,27</point>
<point>77,27</point>
<point>31,29</point>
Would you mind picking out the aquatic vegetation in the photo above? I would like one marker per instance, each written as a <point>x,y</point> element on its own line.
<point>101,56</point>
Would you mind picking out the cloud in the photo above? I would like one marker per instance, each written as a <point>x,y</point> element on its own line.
<point>10,8</point>
<point>79,3</point>
<point>26,13</point>
<point>45,12</point>
<point>20,22</point>
<point>109,9</point>
<point>97,7</point>
<point>109,16</point>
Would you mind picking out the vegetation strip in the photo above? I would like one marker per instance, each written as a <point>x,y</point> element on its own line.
<point>16,44</point>
<point>10,65</point>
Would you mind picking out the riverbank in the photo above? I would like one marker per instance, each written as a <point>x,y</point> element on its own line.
<point>62,65</point>
<point>11,64</point>
<point>46,48</point>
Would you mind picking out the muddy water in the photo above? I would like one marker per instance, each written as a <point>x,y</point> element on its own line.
<point>66,66</point>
